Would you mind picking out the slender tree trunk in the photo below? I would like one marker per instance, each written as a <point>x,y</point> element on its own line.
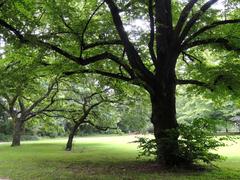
<point>164,122</point>
<point>71,136</point>
<point>226,122</point>
<point>17,132</point>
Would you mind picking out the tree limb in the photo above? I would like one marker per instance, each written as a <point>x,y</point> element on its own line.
<point>211,26</point>
<point>11,103</point>
<point>99,127</point>
<point>102,43</point>
<point>34,41</point>
<point>191,57</point>
<point>194,82</point>
<point>183,16</point>
<point>86,26</point>
<point>43,97</point>
<point>52,101</point>
<point>132,54</point>
<point>221,41</point>
<point>21,105</point>
<point>152,31</point>
<point>67,25</point>
<point>107,74</point>
<point>195,18</point>
<point>12,29</point>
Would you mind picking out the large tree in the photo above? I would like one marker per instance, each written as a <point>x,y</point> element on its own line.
<point>97,35</point>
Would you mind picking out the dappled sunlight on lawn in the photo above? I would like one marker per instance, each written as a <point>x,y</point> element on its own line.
<point>232,149</point>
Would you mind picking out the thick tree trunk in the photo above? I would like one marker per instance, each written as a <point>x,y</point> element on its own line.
<point>164,122</point>
<point>17,132</point>
<point>70,137</point>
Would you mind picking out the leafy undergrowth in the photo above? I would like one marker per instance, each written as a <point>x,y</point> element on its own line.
<point>112,157</point>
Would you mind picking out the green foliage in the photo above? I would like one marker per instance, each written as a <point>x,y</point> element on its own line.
<point>147,147</point>
<point>6,126</point>
<point>29,138</point>
<point>135,117</point>
<point>220,111</point>
<point>4,137</point>
<point>66,25</point>
<point>196,142</point>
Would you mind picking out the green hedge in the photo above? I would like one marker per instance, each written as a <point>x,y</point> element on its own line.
<point>5,138</point>
<point>8,138</point>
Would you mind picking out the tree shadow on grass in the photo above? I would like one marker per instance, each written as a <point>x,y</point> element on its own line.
<point>131,167</point>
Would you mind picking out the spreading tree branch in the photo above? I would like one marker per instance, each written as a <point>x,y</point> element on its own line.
<point>195,18</point>
<point>14,30</point>
<point>191,57</point>
<point>67,25</point>
<point>51,102</point>
<point>194,82</point>
<point>132,54</point>
<point>99,127</point>
<point>82,61</point>
<point>183,16</point>
<point>86,26</point>
<point>42,98</point>
<point>102,43</point>
<point>222,41</point>
<point>11,103</point>
<point>211,26</point>
<point>104,73</point>
<point>21,105</point>
<point>152,31</point>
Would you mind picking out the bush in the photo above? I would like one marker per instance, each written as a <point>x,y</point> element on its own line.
<point>5,138</point>
<point>195,142</point>
<point>8,138</point>
<point>29,138</point>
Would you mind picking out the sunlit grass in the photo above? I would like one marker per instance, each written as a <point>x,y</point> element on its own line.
<point>109,157</point>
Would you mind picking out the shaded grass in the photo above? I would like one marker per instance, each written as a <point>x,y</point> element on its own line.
<point>112,157</point>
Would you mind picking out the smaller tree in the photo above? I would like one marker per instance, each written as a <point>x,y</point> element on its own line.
<point>78,105</point>
<point>18,108</point>
<point>25,91</point>
<point>134,115</point>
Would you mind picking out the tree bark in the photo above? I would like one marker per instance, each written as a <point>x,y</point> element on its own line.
<point>17,132</point>
<point>164,121</point>
<point>71,136</point>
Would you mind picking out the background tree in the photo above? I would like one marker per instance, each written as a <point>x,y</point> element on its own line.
<point>135,112</point>
<point>24,95</point>
<point>77,104</point>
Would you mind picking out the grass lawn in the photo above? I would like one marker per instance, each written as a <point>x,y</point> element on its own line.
<point>110,157</point>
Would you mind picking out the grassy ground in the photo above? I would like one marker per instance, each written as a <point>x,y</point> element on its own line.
<point>112,157</point>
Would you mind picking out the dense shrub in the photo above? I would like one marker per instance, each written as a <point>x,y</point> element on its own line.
<point>196,142</point>
<point>6,126</point>
<point>29,137</point>
<point>8,138</point>
<point>5,138</point>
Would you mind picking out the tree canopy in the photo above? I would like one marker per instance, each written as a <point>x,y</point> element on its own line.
<point>178,43</point>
